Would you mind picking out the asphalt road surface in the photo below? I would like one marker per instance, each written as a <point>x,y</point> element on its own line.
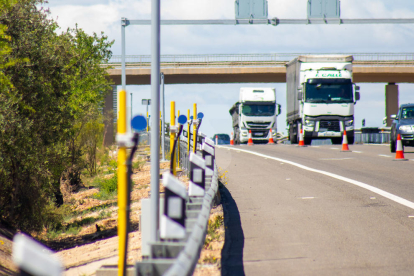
<point>317,210</point>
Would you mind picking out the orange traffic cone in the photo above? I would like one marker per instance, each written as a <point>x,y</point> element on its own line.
<point>250,141</point>
<point>345,143</point>
<point>399,155</point>
<point>301,141</point>
<point>271,137</point>
<point>231,139</point>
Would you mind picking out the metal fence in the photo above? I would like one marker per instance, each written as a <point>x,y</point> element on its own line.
<point>271,59</point>
<point>372,138</point>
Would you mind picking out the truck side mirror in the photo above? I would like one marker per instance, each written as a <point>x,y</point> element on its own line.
<point>393,116</point>
<point>279,109</point>
<point>357,96</point>
<point>300,96</point>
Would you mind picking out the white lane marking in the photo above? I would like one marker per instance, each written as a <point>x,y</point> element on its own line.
<point>357,151</point>
<point>335,158</point>
<point>376,144</point>
<point>315,146</point>
<point>411,216</point>
<point>335,148</point>
<point>383,155</point>
<point>373,189</point>
<point>372,197</point>
<point>287,178</point>
<point>307,197</point>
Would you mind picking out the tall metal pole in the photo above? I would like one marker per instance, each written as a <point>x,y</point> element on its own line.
<point>155,112</point>
<point>163,117</point>
<point>123,77</point>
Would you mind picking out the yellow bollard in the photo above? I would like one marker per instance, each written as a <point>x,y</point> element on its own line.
<point>194,128</point>
<point>188,134</point>
<point>122,184</point>
<point>147,122</point>
<point>172,137</point>
<point>178,145</point>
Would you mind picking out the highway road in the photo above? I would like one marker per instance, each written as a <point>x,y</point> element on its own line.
<point>317,210</point>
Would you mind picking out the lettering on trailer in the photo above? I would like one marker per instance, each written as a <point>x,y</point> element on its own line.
<point>197,175</point>
<point>172,223</point>
<point>328,75</point>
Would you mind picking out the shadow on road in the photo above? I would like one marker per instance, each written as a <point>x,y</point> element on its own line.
<point>232,253</point>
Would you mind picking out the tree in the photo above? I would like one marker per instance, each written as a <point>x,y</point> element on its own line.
<point>45,95</point>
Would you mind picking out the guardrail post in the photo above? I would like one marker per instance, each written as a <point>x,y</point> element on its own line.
<point>32,258</point>
<point>197,175</point>
<point>208,155</point>
<point>172,225</point>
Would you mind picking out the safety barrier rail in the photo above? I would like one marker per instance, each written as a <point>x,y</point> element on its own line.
<point>187,260</point>
<point>372,138</point>
<point>271,59</point>
<point>174,255</point>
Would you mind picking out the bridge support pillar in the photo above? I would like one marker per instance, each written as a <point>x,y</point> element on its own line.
<point>109,112</point>
<point>391,101</point>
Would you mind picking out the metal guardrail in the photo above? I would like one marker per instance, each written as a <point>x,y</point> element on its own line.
<point>372,138</point>
<point>179,257</point>
<point>187,259</point>
<point>271,59</point>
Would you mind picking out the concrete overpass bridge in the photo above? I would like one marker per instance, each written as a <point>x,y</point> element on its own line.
<point>389,68</point>
<point>251,68</point>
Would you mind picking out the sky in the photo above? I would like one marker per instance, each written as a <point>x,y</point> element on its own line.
<point>214,100</point>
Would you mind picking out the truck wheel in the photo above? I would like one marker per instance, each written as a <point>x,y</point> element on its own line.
<point>292,137</point>
<point>307,141</point>
<point>237,137</point>
<point>392,146</point>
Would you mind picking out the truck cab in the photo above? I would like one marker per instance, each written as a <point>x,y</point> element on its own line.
<point>321,98</point>
<point>256,111</point>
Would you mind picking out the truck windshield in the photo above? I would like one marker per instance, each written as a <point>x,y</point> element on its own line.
<point>328,91</point>
<point>258,110</point>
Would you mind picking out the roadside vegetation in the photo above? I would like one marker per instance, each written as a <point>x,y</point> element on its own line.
<point>51,123</point>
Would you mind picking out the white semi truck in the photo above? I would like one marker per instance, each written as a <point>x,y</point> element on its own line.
<point>257,111</point>
<point>321,98</point>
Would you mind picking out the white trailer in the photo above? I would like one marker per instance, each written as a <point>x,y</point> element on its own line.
<point>257,111</point>
<point>320,97</point>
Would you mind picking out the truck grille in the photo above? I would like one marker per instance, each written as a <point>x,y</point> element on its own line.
<point>329,125</point>
<point>257,125</point>
<point>260,134</point>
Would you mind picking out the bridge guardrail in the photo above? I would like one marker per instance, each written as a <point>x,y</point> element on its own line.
<point>274,59</point>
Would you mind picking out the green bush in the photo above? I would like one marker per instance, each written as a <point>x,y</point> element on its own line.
<point>107,187</point>
<point>139,164</point>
